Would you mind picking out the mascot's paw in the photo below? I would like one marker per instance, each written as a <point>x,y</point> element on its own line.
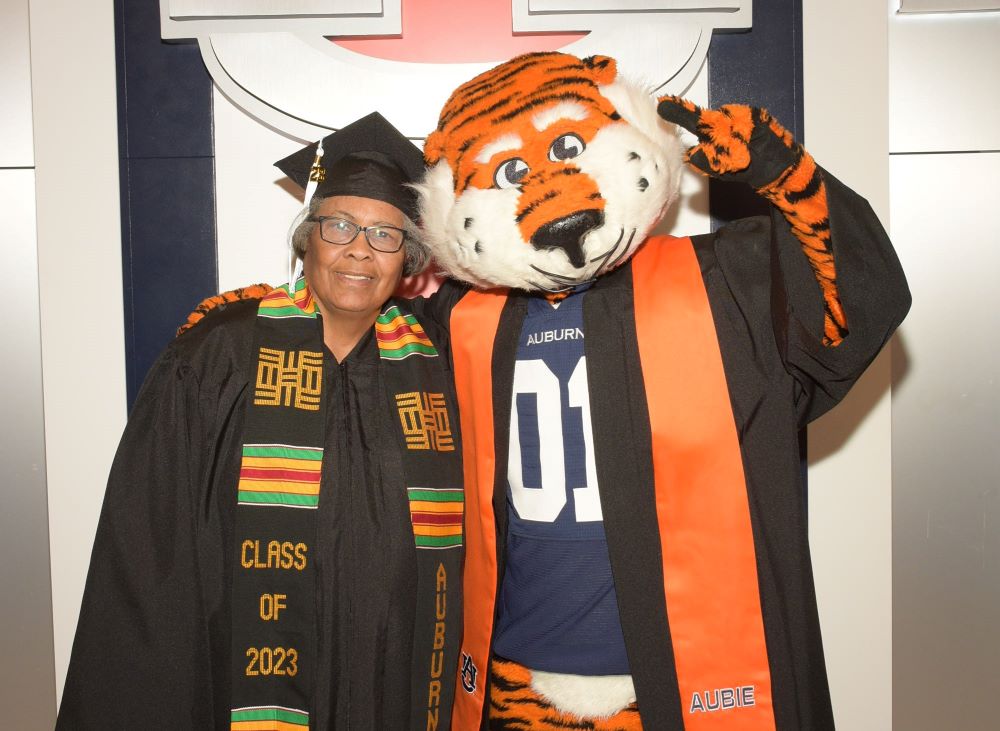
<point>252,292</point>
<point>587,696</point>
<point>746,144</point>
<point>735,142</point>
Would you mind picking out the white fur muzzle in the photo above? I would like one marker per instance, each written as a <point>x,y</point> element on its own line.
<point>595,696</point>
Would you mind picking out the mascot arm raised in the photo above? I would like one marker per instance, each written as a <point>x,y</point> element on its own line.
<point>745,144</point>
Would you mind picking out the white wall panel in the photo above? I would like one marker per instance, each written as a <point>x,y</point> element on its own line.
<point>185,19</point>
<point>946,406</point>
<point>79,282</point>
<point>580,6</point>
<point>850,483</point>
<point>27,677</point>
<point>27,672</point>
<point>945,91</point>
<point>269,8</point>
<point>946,429</point>
<point>15,86</point>
<point>254,202</point>
<point>947,6</point>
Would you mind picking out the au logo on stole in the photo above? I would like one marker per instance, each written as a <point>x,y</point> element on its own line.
<point>289,378</point>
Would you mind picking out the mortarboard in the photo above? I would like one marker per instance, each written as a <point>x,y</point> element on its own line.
<point>368,158</point>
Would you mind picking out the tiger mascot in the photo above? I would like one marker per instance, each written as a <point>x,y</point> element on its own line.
<point>635,530</point>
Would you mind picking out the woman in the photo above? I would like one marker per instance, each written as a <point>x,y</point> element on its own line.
<point>280,541</point>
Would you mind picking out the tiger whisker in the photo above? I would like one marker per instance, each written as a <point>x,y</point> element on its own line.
<point>556,277</point>
<point>608,266</point>
<point>610,251</point>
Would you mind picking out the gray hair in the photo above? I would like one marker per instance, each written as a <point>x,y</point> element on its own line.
<point>416,256</point>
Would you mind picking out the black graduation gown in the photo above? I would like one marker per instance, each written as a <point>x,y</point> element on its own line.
<point>152,648</point>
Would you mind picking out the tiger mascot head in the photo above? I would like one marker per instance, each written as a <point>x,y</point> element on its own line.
<point>545,172</point>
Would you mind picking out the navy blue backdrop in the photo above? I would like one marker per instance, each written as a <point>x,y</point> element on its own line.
<point>169,260</point>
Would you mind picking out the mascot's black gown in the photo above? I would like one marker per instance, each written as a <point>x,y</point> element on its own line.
<point>152,649</point>
<point>768,315</point>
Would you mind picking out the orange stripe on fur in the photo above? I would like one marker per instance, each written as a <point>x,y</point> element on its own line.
<point>508,95</point>
<point>778,129</point>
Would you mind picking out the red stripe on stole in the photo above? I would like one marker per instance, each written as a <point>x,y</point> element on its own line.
<point>709,561</point>
<point>400,332</point>
<point>264,473</point>
<point>436,518</point>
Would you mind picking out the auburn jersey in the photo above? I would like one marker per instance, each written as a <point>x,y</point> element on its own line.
<point>558,609</point>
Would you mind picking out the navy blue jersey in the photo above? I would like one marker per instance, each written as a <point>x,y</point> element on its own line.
<point>558,609</point>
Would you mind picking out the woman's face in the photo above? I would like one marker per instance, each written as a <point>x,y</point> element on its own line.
<point>353,279</point>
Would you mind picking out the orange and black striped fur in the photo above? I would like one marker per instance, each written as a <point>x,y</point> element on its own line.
<point>251,292</point>
<point>800,194</point>
<point>731,141</point>
<point>516,706</point>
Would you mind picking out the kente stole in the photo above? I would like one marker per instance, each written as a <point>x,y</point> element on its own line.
<point>274,587</point>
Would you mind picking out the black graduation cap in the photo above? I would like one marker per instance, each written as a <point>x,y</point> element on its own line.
<point>368,158</point>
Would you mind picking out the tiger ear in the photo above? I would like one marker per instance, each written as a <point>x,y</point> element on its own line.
<point>604,67</point>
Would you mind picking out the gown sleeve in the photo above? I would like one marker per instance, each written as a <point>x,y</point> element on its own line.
<point>873,290</point>
<point>139,658</point>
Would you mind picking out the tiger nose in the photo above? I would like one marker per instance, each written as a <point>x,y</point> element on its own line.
<point>567,233</point>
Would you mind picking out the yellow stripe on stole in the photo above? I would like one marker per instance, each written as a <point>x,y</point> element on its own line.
<point>437,530</point>
<point>428,506</point>
<point>266,726</point>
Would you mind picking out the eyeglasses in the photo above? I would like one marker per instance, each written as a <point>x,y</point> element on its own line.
<point>387,239</point>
